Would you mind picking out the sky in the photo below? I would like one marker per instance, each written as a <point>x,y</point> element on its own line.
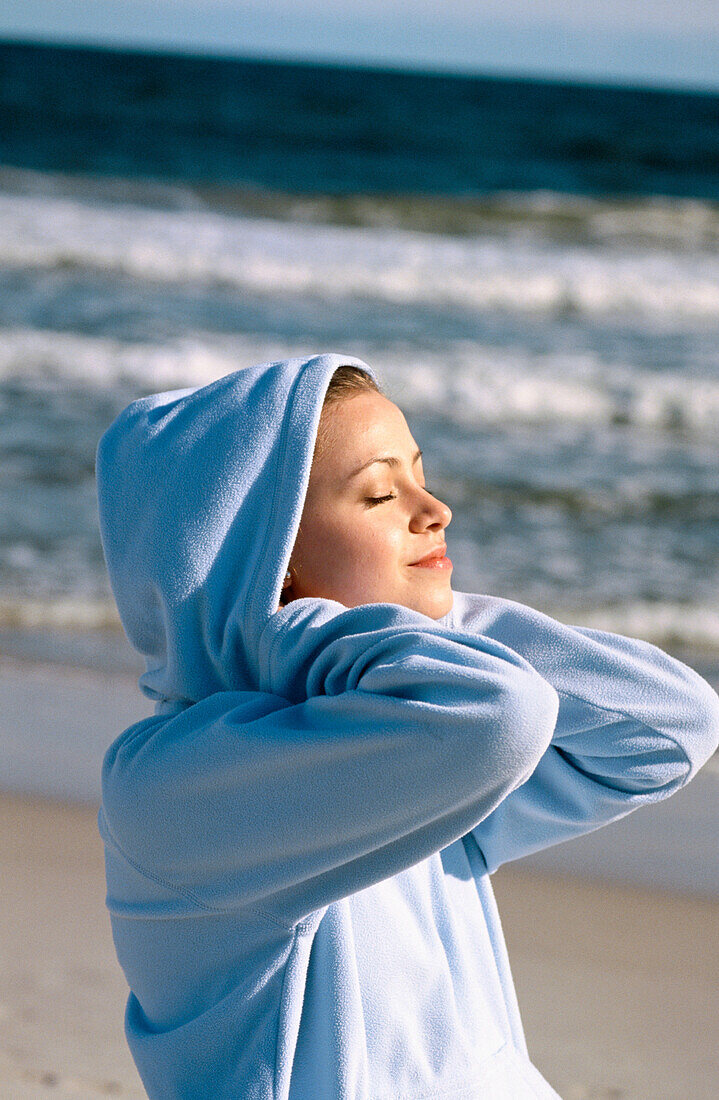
<point>655,42</point>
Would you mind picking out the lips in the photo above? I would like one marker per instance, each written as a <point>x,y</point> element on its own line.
<point>438,552</point>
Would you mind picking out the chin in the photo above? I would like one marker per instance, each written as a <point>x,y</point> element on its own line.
<point>447,604</point>
<point>436,606</point>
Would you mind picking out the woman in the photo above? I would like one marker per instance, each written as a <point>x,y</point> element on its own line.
<point>298,843</point>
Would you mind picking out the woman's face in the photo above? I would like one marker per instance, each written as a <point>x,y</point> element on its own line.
<point>360,533</point>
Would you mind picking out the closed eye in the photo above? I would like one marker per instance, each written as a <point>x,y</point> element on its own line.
<point>390,496</point>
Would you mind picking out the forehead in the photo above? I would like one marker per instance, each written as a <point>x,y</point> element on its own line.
<point>359,428</point>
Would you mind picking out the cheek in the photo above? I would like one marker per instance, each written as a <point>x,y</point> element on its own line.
<point>372,549</point>
<point>322,547</point>
<point>352,546</point>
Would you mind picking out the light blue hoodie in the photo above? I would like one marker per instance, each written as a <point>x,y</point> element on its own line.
<point>298,843</point>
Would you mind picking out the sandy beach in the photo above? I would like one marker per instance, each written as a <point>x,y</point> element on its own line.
<point>618,984</point>
<point>62,991</point>
<point>619,987</point>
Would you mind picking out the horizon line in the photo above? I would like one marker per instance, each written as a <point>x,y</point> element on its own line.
<point>358,64</point>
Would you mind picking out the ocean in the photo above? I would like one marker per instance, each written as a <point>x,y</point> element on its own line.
<point>532,267</point>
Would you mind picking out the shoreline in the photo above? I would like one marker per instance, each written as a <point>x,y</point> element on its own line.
<point>58,720</point>
<point>631,974</point>
<point>105,650</point>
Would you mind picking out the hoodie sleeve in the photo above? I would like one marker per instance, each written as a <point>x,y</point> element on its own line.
<point>634,725</point>
<point>377,738</point>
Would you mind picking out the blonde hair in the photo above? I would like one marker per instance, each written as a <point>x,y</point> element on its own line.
<point>346,382</point>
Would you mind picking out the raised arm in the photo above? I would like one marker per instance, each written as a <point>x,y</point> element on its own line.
<point>378,738</point>
<point>634,725</point>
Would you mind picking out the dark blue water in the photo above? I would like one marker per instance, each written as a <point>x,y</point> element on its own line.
<point>304,127</point>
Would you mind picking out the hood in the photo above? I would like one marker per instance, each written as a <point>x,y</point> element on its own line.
<point>200,495</point>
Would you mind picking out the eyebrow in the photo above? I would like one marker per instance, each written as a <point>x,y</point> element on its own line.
<point>389,459</point>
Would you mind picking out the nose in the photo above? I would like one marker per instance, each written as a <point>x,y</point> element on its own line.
<point>431,512</point>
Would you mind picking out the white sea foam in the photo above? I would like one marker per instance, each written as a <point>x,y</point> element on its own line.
<point>65,612</point>
<point>651,220</point>
<point>467,382</point>
<point>575,399</point>
<point>259,255</point>
<point>665,623</point>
